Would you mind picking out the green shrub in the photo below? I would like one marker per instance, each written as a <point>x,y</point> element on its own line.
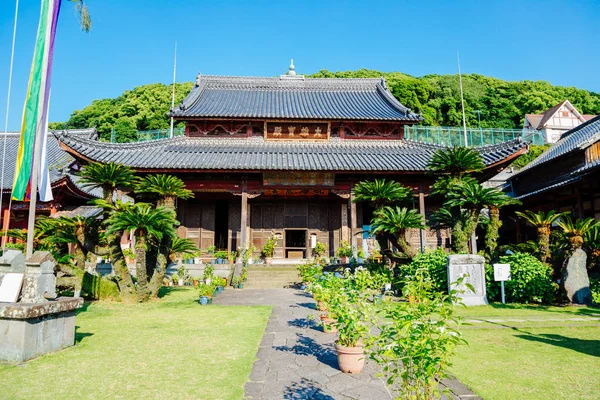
<point>595,287</point>
<point>98,288</point>
<point>435,263</point>
<point>531,280</point>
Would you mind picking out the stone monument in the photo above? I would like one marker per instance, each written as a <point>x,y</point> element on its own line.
<point>39,323</point>
<point>471,268</point>
<point>575,278</point>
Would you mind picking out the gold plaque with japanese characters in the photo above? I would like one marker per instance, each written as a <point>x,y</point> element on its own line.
<point>297,131</point>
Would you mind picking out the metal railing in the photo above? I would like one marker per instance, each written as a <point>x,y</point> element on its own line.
<point>454,136</point>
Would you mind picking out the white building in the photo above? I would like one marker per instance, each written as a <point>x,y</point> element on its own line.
<point>556,121</point>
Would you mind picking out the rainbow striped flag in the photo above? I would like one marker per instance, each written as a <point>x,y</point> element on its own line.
<point>35,113</point>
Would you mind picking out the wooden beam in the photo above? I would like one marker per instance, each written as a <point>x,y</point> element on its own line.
<point>353,220</point>
<point>244,217</point>
<point>422,212</point>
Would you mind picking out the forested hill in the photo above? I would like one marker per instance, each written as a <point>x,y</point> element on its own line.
<point>502,104</point>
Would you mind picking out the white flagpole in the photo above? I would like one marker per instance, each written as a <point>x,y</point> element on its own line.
<point>10,73</point>
<point>462,101</point>
<point>173,94</point>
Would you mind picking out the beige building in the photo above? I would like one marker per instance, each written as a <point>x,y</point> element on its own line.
<point>556,121</point>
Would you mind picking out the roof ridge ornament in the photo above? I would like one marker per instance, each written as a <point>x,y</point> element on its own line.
<point>291,74</point>
<point>198,79</point>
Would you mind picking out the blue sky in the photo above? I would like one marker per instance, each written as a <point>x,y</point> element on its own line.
<point>132,41</point>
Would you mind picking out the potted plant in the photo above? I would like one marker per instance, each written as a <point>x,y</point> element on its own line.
<point>355,318</point>
<point>319,250</point>
<point>244,274</point>
<point>360,255</point>
<point>344,251</point>
<point>210,250</point>
<point>175,279</point>
<point>183,275</point>
<point>219,284</point>
<point>246,254</point>
<point>129,255</point>
<point>221,255</point>
<point>197,257</point>
<point>269,249</point>
<point>237,282</point>
<point>206,292</point>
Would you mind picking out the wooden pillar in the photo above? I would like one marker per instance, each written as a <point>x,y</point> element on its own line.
<point>5,224</point>
<point>344,233</point>
<point>422,212</point>
<point>342,131</point>
<point>249,131</point>
<point>353,219</point>
<point>580,211</point>
<point>244,217</point>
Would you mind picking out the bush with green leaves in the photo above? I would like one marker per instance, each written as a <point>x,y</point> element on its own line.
<point>531,280</point>
<point>434,262</point>
<point>415,347</point>
<point>309,271</point>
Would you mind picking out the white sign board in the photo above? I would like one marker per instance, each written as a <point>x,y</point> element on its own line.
<point>10,288</point>
<point>502,272</point>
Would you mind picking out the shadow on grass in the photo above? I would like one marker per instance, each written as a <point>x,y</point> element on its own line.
<point>79,336</point>
<point>586,310</point>
<point>589,347</point>
<point>306,346</point>
<point>305,389</point>
<point>166,290</point>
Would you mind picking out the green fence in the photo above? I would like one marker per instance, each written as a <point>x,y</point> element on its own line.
<point>454,136</point>
<point>143,136</point>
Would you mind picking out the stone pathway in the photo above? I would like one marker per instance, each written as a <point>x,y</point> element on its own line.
<point>297,360</point>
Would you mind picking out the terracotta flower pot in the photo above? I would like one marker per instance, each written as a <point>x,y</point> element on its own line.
<point>269,260</point>
<point>329,325</point>
<point>351,360</point>
<point>321,306</point>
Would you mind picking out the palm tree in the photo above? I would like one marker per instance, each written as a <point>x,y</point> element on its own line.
<point>149,225</point>
<point>470,198</point>
<point>576,231</point>
<point>456,161</point>
<point>182,246</point>
<point>393,223</point>
<point>381,193</point>
<point>543,223</point>
<point>494,224</point>
<point>108,177</point>
<point>166,188</point>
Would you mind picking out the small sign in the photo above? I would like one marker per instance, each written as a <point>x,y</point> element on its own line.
<point>10,288</point>
<point>502,272</point>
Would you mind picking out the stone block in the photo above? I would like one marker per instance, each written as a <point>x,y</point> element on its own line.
<point>471,268</point>
<point>575,278</point>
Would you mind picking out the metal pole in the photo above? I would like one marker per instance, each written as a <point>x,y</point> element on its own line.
<point>462,100</point>
<point>502,286</point>
<point>173,95</point>
<point>34,187</point>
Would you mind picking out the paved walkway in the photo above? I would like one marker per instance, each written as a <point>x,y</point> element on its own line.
<point>297,360</point>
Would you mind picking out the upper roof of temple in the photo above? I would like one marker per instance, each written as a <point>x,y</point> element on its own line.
<point>293,96</point>
<point>257,154</point>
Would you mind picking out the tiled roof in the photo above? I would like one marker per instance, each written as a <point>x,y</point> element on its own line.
<point>256,154</point>
<point>535,119</point>
<point>293,97</point>
<point>570,141</point>
<point>549,113</point>
<point>58,160</point>
<point>81,211</point>
<point>550,187</point>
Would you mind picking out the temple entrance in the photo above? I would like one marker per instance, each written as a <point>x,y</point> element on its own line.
<point>221,224</point>
<point>295,243</point>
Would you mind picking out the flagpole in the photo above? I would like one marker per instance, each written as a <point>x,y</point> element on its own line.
<point>462,101</point>
<point>173,95</point>
<point>6,224</point>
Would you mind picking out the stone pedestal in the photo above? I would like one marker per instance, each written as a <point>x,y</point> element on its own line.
<point>35,326</point>
<point>471,267</point>
<point>31,330</point>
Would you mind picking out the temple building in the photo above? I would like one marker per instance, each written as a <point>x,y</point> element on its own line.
<point>67,193</point>
<point>280,155</point>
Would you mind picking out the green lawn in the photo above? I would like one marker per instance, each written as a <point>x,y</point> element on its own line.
<point>170,349</point>
<point>525,353</point>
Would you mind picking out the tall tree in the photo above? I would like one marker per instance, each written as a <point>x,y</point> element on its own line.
<point>380,193</point>
<point>543,223</point>
<point>166,188</point>
<point>393,223</point>
<point>149,225</point>
<point>109,177</point>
